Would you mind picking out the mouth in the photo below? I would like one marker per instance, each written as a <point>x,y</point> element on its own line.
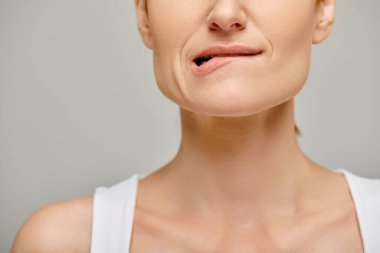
<point>212,58</point>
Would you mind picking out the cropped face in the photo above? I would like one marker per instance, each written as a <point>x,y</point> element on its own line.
<point>232,57</point>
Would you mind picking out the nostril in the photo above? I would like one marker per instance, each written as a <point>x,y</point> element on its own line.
<point>214,26</point>
<point>237,25</point>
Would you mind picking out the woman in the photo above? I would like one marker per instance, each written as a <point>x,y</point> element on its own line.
<point>239,182</point>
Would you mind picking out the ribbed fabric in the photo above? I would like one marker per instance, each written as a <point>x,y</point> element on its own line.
<point>114,209</point>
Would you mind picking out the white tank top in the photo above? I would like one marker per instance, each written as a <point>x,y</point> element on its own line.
<point>114,207</point>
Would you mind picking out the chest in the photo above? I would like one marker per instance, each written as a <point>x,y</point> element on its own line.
<point>315,235</point>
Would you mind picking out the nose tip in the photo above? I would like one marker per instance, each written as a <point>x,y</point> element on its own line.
<point>227,16</point>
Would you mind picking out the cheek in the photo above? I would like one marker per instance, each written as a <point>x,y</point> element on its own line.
<point>171,24</point>
<point>289,22</point>
<point>288,27</point>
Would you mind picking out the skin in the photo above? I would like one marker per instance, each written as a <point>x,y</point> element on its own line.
<point>239,181</point>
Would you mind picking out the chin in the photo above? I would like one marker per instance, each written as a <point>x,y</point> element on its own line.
<point>234,96</point>
<point>228,106</point>
<point>232,100</point>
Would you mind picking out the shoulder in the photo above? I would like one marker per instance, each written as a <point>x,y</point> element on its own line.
<point>59,227</point>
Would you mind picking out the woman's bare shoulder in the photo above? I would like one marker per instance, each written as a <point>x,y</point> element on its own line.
<point>60,227</point>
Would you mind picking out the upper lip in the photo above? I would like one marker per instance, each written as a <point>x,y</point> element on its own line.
<point>221,50</point>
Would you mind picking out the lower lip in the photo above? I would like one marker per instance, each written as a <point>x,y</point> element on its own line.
<point>217,62</point>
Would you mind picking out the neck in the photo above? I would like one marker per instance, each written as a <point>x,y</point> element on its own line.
<point>239,167</point>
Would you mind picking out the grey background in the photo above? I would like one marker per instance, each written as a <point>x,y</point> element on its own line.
<point>79,106</point>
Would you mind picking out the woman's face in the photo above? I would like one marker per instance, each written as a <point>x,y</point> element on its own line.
<point>282,30</point>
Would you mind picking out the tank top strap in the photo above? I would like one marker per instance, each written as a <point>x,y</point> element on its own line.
<point>113,212</point>
<point>366,195</point>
